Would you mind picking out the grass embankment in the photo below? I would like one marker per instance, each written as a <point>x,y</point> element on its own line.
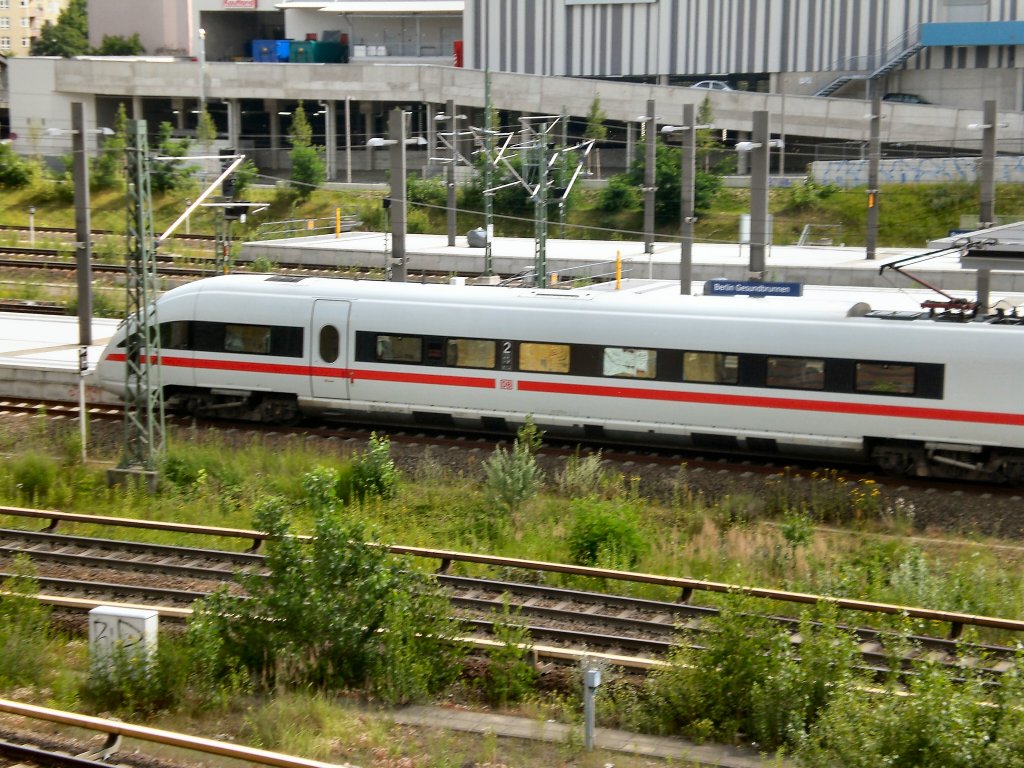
<point>580,512</point>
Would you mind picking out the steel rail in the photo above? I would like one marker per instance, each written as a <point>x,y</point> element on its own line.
<point>688,587</point>
<point>480,596</point>
<point>167,738</point>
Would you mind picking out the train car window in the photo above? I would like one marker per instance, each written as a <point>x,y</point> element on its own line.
<point>630,363</point>
<point>286,341</point>
<point>330,344</point>
<point>544,358</point>
<point>471,353</point>
<point>885,378</point>
<point>710,368</point>
<point>399,349</point>
<point>795,372</point>
<point>175,335</point>
<point>247,339</point>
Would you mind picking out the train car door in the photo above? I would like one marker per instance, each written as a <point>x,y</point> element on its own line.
<point>329,355</point>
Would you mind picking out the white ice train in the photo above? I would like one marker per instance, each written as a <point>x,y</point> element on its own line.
<point>914,393</point>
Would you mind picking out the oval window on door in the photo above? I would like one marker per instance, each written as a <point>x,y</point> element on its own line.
<point>329,343</point>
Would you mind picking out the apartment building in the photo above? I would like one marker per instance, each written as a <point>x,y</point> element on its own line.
<point>21,20</point>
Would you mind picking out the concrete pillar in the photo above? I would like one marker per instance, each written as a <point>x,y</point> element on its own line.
<point>178,106</point>
<point>234,122</point>
<point>348,140</point>
<point>274,125</point>
<point>330,138</point>
<point>137,113</point>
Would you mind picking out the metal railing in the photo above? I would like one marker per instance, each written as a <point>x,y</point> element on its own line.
<point>168,738</point>
<point>276,230</point>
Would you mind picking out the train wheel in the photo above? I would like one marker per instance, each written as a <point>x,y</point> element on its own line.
<point>1013,471</point>
<point>896,460</point>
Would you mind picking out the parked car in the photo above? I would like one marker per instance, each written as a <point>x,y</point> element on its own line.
<point>905,98</point>
<point>713,85</point>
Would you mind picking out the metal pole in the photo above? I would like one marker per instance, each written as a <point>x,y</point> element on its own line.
<point>348,139</point>
<point>202,72</point>
<point>650,147</point>
<point>874,160</point>
<point>987,216</point>
<point>488,197</point>
<point>759,155</point>
<point>453,133</point>
<point>688,175</point>
<point>330,139</point>
<point>83,253</point>
<point>32,226</point>
<point>591,680</point>
<point>396,133</point>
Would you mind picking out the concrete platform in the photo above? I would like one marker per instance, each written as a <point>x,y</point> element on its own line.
<point>39,357</point>
<point>676,751</point>
<point>575,259</point>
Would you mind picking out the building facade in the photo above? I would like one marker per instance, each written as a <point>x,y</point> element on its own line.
<point>21,20</point>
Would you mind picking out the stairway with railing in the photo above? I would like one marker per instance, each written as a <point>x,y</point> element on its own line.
<point>876,65</point>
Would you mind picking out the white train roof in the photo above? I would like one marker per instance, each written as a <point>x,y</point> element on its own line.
<point>631,300</point>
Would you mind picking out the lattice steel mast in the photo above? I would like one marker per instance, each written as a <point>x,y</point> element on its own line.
<point>144,403</point>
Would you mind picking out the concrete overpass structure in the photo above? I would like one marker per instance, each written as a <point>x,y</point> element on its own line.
<point>42,89</point>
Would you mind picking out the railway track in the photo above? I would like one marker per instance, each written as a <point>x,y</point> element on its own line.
<point>579,621</point>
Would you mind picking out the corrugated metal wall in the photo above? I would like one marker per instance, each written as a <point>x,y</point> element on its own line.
<point>700,37</point>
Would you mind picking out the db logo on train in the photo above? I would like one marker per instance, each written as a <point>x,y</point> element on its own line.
<point>505,383</point>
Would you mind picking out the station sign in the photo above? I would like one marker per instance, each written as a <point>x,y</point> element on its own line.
<point>722,287</point>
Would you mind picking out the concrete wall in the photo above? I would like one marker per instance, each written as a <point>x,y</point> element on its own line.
<point>162,25</point>
<point>854,173</point>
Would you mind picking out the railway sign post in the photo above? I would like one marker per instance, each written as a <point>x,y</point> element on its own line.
<point>591,681</point>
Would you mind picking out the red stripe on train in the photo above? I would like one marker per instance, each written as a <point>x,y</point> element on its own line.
<point>597,390</point>
<point>777,403</point>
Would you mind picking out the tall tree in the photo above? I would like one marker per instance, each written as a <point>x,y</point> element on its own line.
<point>68,37</point>
<point>107,169</point>
<point>309,169</point>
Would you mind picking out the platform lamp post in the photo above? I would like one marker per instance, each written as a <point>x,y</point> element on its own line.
<point>396,142</point>
<point>874,161</point>
<point>451,118</point>
<point>760,151</point>
<point>687,195</point>
<point>202,71</point>
<point>83,246</point>
<point>650,174</point>
<point>986,191</point>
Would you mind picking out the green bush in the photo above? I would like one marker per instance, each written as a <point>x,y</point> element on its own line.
<point>620,194</point>
<point>514,477</point>
<point>24,628</point>
<point>374,472</point>
<point>581,476</point>
<point>604,533</point>
<point>15,171</point>
<point>939,716</point>
<point>509,674</point>
<point>34,475</point>
<point>431,191</point>
<point>742,679</point>
<point>333,612</point>
<point>328,487</point>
